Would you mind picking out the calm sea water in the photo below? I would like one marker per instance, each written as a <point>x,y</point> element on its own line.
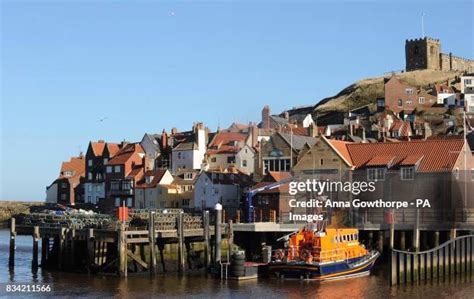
<point>200,286</point>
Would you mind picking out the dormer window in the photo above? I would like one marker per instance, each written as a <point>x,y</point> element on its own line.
<point>148,179</point>
<point>421,100</point>
<point>188,176</point>
<point>407,173</point>
<point>376,174</point>
<point>68,173</point>
<point>408,91</point>
<point>89,162</point>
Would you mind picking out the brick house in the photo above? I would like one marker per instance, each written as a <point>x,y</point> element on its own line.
<point>122,172</point>
<point>97,155</point>
<point>275,199</point>
<point>63,189</point>
<point>400,96</point>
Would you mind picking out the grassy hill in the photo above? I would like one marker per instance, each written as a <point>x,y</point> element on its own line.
<point>366,91</point>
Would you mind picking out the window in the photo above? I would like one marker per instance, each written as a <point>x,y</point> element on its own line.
<point>129,202</point>
<point>244,163</point>
<point>456,173</point>
<point>321,162</point>
<point>376,174</point>
<point>408,91</point>
<point>408,173</point>
<point>416,50</point>
<point>185,202</point>
<point>421,100</point>
<point>409,102</point>
<point>213,159</point>
<point>432,50</point>
<point>89,162</point>
<point>179,155</point>
<point>188,176</point>
<point>117,201</point>
<point>231,160</point>
<point>216,191</point>
<point>117,169</point>
<point>467,81</point>
<point>63,185</point>
<point>89,198</point>
<point>89,175</point>
<point>109,169</point>
<point>89,187</point>
<point>400,103</point>
<point>68,173</point>
<point>276,165</point>
<point>106,160</point>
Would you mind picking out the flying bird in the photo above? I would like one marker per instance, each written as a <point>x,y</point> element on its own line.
<point>172,13</point>
<point>102,119</point>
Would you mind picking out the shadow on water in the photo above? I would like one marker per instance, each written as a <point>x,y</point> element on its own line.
<point>198,285</point>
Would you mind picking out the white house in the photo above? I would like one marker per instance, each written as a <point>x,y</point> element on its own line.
<point>217,187</point>
<point>149,192</point>
<point>189,154</point>
<point>245,159</point>
<point>467,84</point>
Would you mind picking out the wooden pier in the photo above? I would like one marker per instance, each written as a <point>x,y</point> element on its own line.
<point>120,250</point>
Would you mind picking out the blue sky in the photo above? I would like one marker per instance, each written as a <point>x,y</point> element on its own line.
<point>152,65</point>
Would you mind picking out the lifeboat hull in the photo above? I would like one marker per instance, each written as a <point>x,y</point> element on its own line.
<point>324,271</point>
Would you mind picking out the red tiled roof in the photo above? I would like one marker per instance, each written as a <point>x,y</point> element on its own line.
<point>98,148</point>
<point>113,148</point>
<point>76,165</point>
<point>126,153</point>
<point>296,131</point>
<point>381,161</point>
<point>136,173</point>
<point>403,127</point>
<point>157,176</point>
<point>222,143</point>
<point>412,160</point>
<point>341,148</point>
<point>439,155</point>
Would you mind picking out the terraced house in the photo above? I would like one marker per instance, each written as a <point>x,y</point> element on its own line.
<point>65,188</point>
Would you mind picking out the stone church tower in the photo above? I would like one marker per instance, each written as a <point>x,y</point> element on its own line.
<point>422,54</point>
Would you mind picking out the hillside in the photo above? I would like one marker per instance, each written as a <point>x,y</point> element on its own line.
<point>366,91</point>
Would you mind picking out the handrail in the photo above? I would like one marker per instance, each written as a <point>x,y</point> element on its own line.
<point>436,248</point>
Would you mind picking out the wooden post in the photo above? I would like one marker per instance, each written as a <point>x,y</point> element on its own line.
<point>402,267</point>
<point>416,232</point>
<point>422,266</point>
<point>429,272</point>
<point>36,235</point>
<point>180,231</point>
<point>452,264</point>
<point>415,272</point>
<point>218,235</point>
<point>441,267</point>
<point>207,246</point>
<point>380,237</point>
<point>161,247</point>
<point>393,269</point>
<point>392,235</point>
<point>402,240</point>
<point>152,242</point>
<point>237,218</point>
<point>261,215</point>
<point>463,255</point>
<point>458,256</point>
<point>409,268</point>
<point>61,244</point>
<point>230,236</point>
<point>436,239</point>
<point>122,250</point>
<point>90,249</point>
<point>11,259</point>
<point>44,250</point>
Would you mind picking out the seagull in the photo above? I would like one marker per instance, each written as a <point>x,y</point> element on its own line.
<point>102,119</point>
<point>172,14</point>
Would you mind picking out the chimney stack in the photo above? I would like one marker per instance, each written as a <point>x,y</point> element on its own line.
<point>164,139</point>
<point>266,117</point>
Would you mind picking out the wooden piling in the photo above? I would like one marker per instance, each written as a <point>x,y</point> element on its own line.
<point>393,269</point>
<point>122,251</point>
<point>402,240</point>
<point>230,235</point>
<point>180,231</point>
<point>152,242</point>
<point>36,236</point>
<point>217,236</point>
<point>90,249</point>
<point>11,259</point>
<point>380,238</point>
<point>161,247</point>
<point>61,244</point>
<point>44,250</point>
<point>392,236</point>
<point>207,247</point>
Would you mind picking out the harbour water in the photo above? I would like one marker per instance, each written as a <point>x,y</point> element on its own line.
<point>198,285</point>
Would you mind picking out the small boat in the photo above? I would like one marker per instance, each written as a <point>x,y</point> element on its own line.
<point>325,254</point>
